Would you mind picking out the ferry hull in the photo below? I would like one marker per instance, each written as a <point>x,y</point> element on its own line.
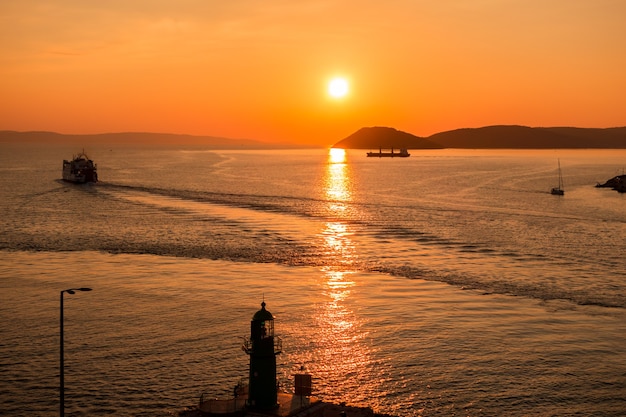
<point>80,170</point>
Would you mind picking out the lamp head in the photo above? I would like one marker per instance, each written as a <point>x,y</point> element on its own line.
<point>73,290</point>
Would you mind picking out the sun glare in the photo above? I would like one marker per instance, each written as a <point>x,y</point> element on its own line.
<point>337,155</point>
<point>338,87</point>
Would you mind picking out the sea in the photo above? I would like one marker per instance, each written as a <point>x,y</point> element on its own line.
<point>448,283</point>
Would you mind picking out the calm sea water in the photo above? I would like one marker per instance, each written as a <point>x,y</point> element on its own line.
<point>450,283</point>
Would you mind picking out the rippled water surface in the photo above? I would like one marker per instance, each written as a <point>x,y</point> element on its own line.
<point>447,283</point>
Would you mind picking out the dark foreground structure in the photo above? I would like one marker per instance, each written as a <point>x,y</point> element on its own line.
<point>318,410</point>
<point>261,396</point>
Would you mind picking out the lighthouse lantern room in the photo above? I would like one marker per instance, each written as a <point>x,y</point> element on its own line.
<point>262,346</point>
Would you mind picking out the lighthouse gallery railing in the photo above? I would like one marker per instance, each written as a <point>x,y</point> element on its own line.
<point>248,345</point>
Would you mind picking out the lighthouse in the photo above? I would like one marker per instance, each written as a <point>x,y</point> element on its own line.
<point>262,346</point>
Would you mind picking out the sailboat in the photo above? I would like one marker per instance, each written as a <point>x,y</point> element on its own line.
<point>558,190</point>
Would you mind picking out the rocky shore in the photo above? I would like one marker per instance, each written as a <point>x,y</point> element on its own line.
<point>618,183</point>
<point>319,409</point>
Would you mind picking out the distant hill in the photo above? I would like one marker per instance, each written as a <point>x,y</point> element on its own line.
<point>135,139</point>
<point>386,138</point>
<point>490,137</point>
<point>522,137</point>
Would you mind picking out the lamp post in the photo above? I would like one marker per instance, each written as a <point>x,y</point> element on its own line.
<point>62,370</point>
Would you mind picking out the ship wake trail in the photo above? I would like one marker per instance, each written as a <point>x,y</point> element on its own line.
<point>293,231</point>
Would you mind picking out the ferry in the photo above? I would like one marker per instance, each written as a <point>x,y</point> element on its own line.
<point>80,169</point>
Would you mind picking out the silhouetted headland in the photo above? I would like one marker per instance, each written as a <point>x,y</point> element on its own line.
<point>618,183</point>
<point>386,138</point>
<point>490,137</point>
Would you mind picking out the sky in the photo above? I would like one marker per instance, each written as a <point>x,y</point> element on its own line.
<point>253,69</point>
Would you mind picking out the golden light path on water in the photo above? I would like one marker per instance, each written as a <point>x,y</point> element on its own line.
<point>343,355</point>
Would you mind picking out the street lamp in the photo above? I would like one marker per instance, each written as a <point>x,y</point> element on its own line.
<point>62,373</point>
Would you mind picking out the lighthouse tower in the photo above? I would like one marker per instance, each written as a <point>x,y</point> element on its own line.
<point>262,346</point>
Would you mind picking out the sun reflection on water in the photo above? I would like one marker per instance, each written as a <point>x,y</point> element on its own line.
<point>337,155</point>
<point>337,181</point>
<point>342,355</point>
<point>336,348</point>
<point>337,188</point>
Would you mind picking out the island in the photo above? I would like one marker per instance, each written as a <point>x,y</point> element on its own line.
<point>489,137</point>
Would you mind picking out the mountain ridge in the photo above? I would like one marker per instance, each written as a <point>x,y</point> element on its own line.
<point>490,137</point>
<point>135,139</point>
<point>487,137</point>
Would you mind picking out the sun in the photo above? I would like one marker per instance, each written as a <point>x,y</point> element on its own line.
<point>338,87</point>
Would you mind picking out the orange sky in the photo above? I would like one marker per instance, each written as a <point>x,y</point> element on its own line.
<point>259,69</point>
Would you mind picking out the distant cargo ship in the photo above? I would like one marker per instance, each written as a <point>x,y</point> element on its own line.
<point>380,154</point>
<point>80,169</point>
